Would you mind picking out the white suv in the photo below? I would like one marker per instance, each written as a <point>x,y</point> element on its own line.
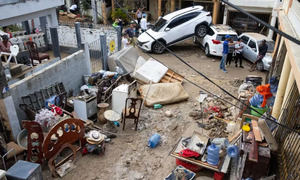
<point>213,41</point>
<point>175,27</point>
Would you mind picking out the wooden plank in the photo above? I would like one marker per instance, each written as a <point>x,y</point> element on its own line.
<point>256,131</point>
<point>253,154</point>
<point>235,136</point>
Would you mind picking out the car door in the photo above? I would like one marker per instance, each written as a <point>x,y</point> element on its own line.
<point>177,29</point>
<point>245,40</point>
<point>253,50</point>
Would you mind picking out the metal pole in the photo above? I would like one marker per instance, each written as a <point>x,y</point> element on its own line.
<point>94,9</point>
<point>104,52</point>
<point>55,42</point>
<point>119,36</point>
<point>26,26</point>
<point>78,34</point>
<point>43,22</point>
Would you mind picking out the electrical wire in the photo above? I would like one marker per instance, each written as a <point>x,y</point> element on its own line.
<point>269,118</point>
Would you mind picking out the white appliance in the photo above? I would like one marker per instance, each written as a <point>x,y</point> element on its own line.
<point>85,108</point>
<point>119,96</point>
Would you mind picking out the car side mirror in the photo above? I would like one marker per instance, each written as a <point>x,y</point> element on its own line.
<point>167,29</point>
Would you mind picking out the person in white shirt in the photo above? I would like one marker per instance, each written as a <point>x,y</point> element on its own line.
<point>73,8</point>
<point>238,48</point>
<point>143,24</point>
<point>125,41</point>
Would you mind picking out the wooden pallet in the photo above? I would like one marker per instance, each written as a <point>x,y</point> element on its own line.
<point>171,77</point>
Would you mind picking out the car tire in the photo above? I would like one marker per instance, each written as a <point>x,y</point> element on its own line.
<point>201,30</point>
<point>260,66</point>
<point>157,47</point>
<point>207,50</point>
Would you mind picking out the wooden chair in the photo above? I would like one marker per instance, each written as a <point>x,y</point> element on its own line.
<point>34,53</point>
<point>132,110</point>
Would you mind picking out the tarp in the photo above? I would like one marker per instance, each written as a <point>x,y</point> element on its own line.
<point>163,93</point>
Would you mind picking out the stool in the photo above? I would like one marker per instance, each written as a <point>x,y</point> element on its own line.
<point>111,116</point>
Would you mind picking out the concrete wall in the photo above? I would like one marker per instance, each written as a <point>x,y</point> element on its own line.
<point>254,6</point>
<point>69,70</point>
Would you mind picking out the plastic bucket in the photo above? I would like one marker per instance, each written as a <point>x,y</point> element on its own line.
<point>260,110</point>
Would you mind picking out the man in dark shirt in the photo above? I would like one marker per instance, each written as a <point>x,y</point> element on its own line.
<point>262,51</point>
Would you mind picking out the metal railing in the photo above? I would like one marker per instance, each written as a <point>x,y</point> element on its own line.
<point>95,55</point>
<point>289,142</point>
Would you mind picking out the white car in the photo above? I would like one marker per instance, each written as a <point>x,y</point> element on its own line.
<point>251,42</point>
<point>175,27</point>
<point>214,39</point>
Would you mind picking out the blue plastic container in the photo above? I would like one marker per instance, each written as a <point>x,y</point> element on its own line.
<point>213,154</point>
<point>154,140</point>
<point>232,151</point>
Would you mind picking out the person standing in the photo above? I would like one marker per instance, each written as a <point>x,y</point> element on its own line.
<point>143,24</point>
<point>262,51</point>
<point>224,53</point>
<point>238,53</point>
<point>230,52</point>
<point>125,41</point>
<point>5,44</point>
<point>138,15</point>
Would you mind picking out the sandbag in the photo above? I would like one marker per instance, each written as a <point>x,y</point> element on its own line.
<point>163,93</point>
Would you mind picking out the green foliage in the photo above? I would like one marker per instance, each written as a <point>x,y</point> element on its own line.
<point>86,4</point>
<point>120,14</point>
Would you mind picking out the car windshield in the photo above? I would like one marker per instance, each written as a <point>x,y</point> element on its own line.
<point>221,37</point>
<point>159,24</point>
<point>270,44</point>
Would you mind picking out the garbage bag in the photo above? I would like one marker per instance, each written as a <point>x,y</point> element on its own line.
<point>257,100</point>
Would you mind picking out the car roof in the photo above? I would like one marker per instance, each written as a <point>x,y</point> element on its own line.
<point>257,36</point>
<point>223,29</point>
<point>182,11</point>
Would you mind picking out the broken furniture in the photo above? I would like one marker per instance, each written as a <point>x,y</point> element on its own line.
<point>35,138</point>
<point>13,150</point>
<point>85,107</point>
<point>24,170</point>
<point>34,52</point>
<point>132,111</point>
<point>105,88</point>
<point>34,102</point>
<point>63,135</point>
<point>111,117</point>
<point>100,115</point>
<point>14,50</point>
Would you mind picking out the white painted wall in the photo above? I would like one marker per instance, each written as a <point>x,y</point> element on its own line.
<point>294,16</point>
<point>28,7</point>
<point>67,37</point>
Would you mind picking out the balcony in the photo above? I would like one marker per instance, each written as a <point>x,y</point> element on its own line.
<point>12,8</point>
<point>256,6</point>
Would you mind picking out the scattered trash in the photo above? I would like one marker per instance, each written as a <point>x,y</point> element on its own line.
<point>154,140</point>
<point>65,168</point>
<point>181,173</point>
<point>157,106</point>
<point>213,154</point>
<point>232,151</point>
<point>168,113</point>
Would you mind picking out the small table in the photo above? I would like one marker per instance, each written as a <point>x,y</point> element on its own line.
<point>111,116</point>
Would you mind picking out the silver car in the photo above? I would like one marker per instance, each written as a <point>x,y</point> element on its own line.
<point>251,42</point>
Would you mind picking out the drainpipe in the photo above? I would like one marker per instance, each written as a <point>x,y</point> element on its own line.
<point>281,87</point>
<point>274,17</point>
